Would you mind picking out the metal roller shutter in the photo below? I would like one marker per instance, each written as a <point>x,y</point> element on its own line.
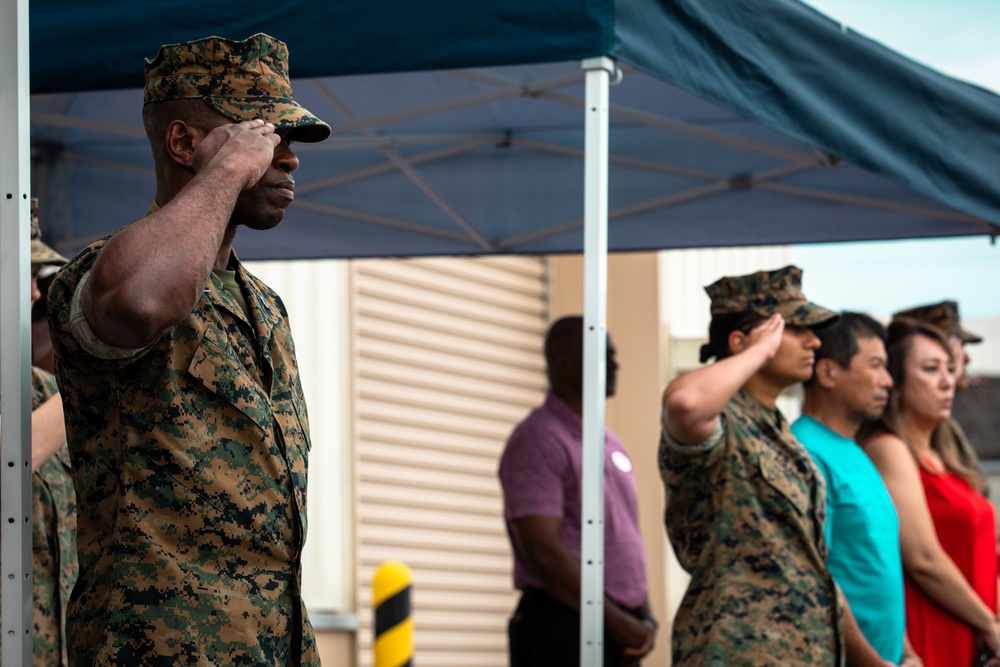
<point>447,359</point>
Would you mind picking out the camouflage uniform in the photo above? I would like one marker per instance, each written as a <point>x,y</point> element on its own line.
<point>745,513</point>
<point>53,542</point>
<point>190,454</point>
<point>53,515</point>
<point>191,472</point>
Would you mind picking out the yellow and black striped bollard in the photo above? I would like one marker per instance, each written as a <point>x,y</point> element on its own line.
<point>393,623</point>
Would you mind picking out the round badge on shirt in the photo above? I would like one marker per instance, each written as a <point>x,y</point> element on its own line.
<point>621,461</point>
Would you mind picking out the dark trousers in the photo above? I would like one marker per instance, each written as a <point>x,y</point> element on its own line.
<point>545,633</point>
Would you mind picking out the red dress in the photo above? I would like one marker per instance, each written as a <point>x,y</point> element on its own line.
<point>966,527</point>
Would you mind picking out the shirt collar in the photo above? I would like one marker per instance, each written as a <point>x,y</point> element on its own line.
<point>560,407</point>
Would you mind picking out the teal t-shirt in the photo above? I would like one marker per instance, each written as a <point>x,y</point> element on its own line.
<point>862,532</point>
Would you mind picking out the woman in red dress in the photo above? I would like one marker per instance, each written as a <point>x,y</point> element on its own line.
<point>947,527</point>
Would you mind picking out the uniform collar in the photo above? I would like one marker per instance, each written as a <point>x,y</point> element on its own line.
<point>758,411</point>
<point>265,317</point>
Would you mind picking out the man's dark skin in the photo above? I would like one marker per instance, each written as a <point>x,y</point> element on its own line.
<point>213,175</point>
<point>537,537</point>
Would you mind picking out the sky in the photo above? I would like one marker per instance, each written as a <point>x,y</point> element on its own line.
<point>958,38</point>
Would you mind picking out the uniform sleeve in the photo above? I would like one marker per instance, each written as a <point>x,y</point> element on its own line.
<point>72,336</point>
<point>532,473</point>
<point>86,337</point>
<point>700,448</point>
<point>43,387</point>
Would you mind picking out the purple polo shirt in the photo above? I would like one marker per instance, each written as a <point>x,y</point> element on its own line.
<point>540,473</point>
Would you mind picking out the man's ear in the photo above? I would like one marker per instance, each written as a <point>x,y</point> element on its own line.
<point>825,373</point>
<point>181,140</point>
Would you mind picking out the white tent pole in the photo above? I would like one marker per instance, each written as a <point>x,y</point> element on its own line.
<point>595,216</point>
<point>15,358</point>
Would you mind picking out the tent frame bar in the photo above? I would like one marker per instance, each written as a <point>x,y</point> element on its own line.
<point>595,212</point>
<point>514,88</point>
<point>15,356</point>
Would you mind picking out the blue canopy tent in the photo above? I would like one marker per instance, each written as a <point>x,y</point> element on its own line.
<point>460,129</point>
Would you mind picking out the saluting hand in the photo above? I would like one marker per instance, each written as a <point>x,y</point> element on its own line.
<point>767,335</point>
<point>246,149</point>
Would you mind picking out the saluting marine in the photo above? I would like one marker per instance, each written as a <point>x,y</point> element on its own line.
<point>745,506</point>
<point>185,414</point>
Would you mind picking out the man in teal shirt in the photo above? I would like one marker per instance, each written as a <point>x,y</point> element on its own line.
<point>850,385</point>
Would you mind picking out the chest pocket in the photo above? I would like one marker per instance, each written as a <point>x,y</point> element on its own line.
<point>214,368</point>
<point>786,476</point>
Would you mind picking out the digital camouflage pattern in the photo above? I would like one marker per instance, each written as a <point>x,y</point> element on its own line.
<point>944,316</point>
<point>767,293</point>
<point>190,466</point>
<point>41,253</point>
<point>243,81</point>
<point>746,519</point>
<point>53,543</point>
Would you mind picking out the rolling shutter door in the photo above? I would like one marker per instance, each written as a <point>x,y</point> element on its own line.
<point>447,361</point>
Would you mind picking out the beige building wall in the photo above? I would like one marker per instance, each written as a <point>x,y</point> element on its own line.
<point>446,361</point>
<point>337,649</point>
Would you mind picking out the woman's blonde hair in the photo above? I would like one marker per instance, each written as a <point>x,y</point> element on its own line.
<point>957,458</point>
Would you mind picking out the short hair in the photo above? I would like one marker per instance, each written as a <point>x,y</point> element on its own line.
<point>157,116</point>
<point>839,341</point>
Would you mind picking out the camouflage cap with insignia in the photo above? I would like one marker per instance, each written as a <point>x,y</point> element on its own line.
<point>241,80</point>
<point>767,293</point>
<point>41,253</point>
<point>944,316</point>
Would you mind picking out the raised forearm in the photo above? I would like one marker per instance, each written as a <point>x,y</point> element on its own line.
<point>149,276</point>
<point>693,401</point>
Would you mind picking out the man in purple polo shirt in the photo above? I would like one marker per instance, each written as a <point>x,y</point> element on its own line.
<point>540,475</point>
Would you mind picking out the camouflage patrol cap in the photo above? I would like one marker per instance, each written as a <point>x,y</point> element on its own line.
<point>767,293</point>
<point>241,80</point>
<point>41,253</point>
<point>944,316</point>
